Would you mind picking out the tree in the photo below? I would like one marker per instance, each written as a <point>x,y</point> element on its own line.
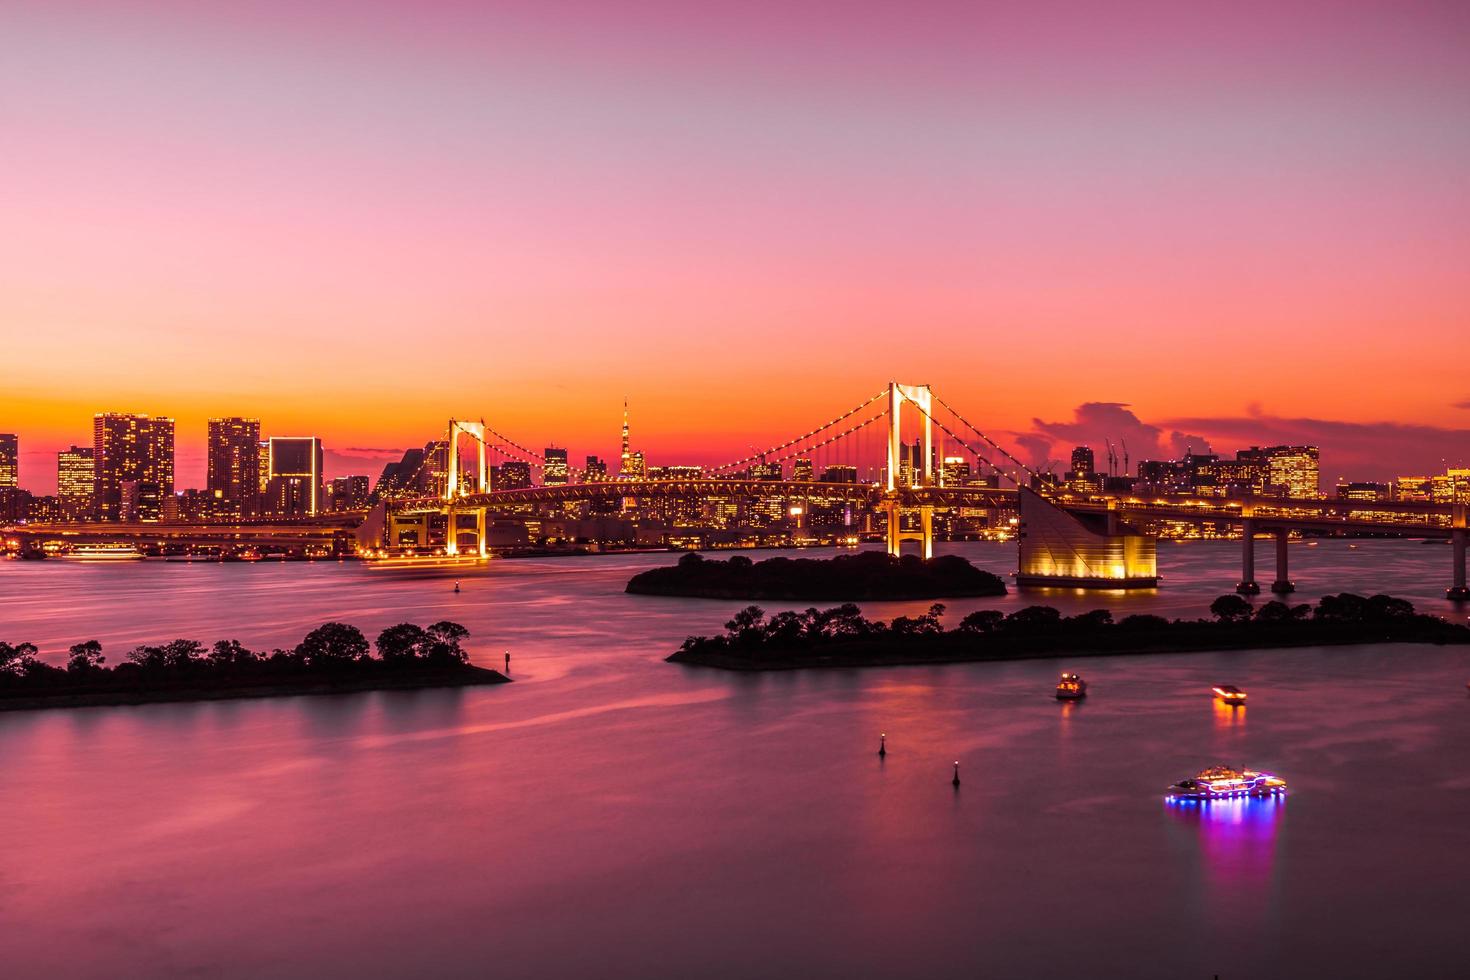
<point>1276,611</point>
<point>331,645</point>
<point>231,653</point>
<point>1033,619</point>
<point>85,657</point>
<point>1231,609</point>
<point>442,643</point>
<point>1387,607</point>
<point>1345,607</point>
<point>982,621</point>
<point>748,624</point>
<point>925,625</point>
<point>17,659</point>
<point>1095,620</point>
<point>401,643</point>
<point>182,653</point>
<point>690,560</point>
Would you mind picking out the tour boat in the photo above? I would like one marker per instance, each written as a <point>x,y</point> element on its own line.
<point>1071,688</point>
<point>1226,782</point>
<point>1230,694</point>
<point>102,552</point>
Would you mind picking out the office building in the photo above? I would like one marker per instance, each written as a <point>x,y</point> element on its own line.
<point>295,483</point>
<point>513,474</point>
<point>348,493</point>
<point>133,466</point>
<point>554,471</point>
<point>802,471</point>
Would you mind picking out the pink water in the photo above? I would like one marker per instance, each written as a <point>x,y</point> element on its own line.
<point>612,815</point>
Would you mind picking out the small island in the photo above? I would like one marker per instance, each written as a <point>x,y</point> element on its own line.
<point>332,659</point>
<point>843,637</point>
<point>865,576</point>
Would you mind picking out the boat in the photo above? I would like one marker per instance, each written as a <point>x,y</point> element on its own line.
<point>102,552</point>
<point>1071,688</point>
<point>1226,782</point>
<point>1229,693</point>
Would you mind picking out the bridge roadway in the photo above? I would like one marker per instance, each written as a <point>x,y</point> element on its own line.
<point>329,530</point>
<point>1326,514</point>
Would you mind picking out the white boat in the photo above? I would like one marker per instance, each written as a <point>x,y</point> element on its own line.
<point>1224,783</point>
<point>102,552</point>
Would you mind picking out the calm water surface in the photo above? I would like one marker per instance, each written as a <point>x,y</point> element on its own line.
<point>612,815</point>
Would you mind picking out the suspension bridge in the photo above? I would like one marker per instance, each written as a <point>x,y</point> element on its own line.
<point>1066,538</point>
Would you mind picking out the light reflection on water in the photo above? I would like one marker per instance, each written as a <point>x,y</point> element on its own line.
<point>611,814</point>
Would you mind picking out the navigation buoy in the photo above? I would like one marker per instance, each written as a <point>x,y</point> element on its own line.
<point>456,585</point>
<point>507,661</point>
<point>956,780</point>
<point>882,744</point>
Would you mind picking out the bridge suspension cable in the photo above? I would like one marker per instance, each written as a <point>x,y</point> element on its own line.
<point>813,447</point>
<point>531,457</point>
<point>803,437</point>
<point>973,428</point>
<point>971,449</point>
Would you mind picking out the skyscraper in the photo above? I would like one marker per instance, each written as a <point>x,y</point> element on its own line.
<point>1083,462</point>
<point>802,470</point>
<point>9,460</point>
<point>234,463</point>
<point>554,471</point>
<point>76,482</point>
<point>296,475</point>
<point>596,470</point>
<point>133,465</point>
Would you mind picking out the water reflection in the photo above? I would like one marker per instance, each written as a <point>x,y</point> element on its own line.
<point>1228,716</point>
<point>1236,841</point>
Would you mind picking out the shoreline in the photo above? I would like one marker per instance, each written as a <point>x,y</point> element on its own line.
<point>470,676</point>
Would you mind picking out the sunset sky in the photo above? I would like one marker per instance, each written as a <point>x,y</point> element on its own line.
<point>1245,222</point>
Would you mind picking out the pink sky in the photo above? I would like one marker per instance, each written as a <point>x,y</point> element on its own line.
<point>357,220</point>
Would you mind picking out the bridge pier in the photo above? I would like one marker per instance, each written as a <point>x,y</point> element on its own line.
<point>1458,590</point>
<point>1283,584</point>
<point>1247,584</point>
<point>896,535</point>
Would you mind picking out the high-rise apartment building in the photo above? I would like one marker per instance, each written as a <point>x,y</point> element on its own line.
<point>513,474</point>
<point>76,483</point>
<point>295,476</point>
<point>802,471</point>
<point>133,465</point>
<point>348,493</point>
<point>234,464</point>
<point>595,471</point>
<point>9,460</point>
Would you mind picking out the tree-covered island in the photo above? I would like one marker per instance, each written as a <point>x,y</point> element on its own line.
<point>867,575</point>
<point>843,637</point>
<point>333,658</point>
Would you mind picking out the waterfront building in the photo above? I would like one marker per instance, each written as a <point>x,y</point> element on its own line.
<point>76,483</point>
<point>9,460</point>
<point>764,471</point>
<point>802,471</point>
<point>554,469</point>
<point>233,474</point>
<point>839,474</point>
<point>1358,490</point>
<point>295,485</point>
<point>1288,471</point>
<point>133,465</point>
<point>1083,461</point>
<point>15,504</point>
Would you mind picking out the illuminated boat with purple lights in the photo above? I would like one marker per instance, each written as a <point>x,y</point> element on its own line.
<point>1071,688</point>
<point>1225,783</point>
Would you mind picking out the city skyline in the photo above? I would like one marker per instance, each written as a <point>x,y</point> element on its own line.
<point>1040,210</point>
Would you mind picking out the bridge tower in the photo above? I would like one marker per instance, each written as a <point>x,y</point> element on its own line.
<point>920,397</point>
<point>452,490</point>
